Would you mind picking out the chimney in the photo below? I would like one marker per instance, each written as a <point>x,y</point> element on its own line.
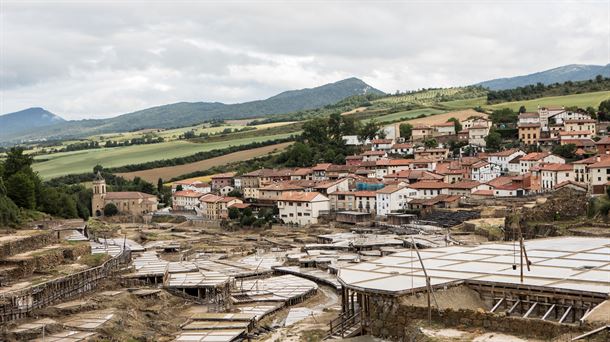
<point>598,158</point>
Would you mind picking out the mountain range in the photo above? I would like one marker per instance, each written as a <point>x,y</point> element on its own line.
<point>572,72</point>
<point>36,123</point>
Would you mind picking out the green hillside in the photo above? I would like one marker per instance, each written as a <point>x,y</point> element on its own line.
<point>579,100</point>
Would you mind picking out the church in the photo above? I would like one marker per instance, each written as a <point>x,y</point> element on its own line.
<point>127,202</point>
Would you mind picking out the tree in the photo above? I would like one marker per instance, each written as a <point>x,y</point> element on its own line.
<point>98,168</point>
<point>522,109</point>
<point>16,161</point>
<point>493,140</point>
<point>406,130</point>
<point>592,112</point>
<point>567,151</point>
<point>233,213</point>
<point>110,209</point>
<point>160,185</point>
<point>235,193</point>
<point>456,123</point>
<point>21,189</point>
<point>504,115</point>
<point>604,107</point>
<point>430,143</point>
<point>369,131</point>
<point>179,187</point>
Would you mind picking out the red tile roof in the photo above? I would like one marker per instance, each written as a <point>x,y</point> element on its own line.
<point>300,196</point>
<point>556,167</point>
<point>188,193</point>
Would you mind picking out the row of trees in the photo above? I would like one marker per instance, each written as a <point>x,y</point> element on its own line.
<point>540,90</point>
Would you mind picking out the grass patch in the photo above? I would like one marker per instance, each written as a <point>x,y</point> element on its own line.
<point>579,100</point>
<point>94,260</point>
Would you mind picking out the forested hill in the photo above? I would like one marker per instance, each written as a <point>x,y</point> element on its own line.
<point>190,113</point>
<point>17,122</point>
<point>572,72</point>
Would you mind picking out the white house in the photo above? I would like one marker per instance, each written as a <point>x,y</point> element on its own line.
<point>503,157</point>
<point>381,145</point>
<point>446,128</point>
<point>403,148</point>
<point>190,185</point>
<point>476,121</point>
<point>185,200</point>
<point>536,158</point>
<point>427,190</point>
<point>302,208</point>
<point>553,174</point>
<point>484,171</point>
<point>599,175</point>
<point>477,135</point>
<point>392,198</point>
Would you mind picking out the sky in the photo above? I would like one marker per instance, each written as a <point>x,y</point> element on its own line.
<point>95,59</point>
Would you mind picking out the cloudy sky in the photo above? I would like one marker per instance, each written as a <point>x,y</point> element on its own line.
<point>84,59</point>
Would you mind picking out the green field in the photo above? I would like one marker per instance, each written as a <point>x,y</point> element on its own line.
<point>406,115</point>
<point>64,163</point>
<point>579,100</point>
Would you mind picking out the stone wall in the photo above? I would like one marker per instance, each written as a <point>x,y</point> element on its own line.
<point>394,321</point>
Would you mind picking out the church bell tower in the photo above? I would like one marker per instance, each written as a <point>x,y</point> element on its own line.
<point>99,194</point>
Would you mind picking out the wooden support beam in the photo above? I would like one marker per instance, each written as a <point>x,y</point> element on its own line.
<point>512,308</point>
<point>548,312</point>
<point>497,305</point>
<point>531,309</point>
<point>565,314</point>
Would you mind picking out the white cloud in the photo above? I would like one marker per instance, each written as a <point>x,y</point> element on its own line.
<point>90,59</point>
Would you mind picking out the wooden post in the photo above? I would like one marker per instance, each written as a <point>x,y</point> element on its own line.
<point>521,257</point>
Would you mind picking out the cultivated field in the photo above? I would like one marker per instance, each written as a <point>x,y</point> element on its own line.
<point>580,100</point>
<point>153,175</point>
<point>60,164</point>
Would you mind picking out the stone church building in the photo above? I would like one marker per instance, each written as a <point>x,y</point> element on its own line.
<point>127,202</point>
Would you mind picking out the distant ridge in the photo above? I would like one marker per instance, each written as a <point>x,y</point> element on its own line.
<point>190,113</point>
<point>23,120</point>
<point>572,72</point>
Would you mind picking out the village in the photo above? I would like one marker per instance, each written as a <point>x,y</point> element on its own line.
<point>405,241</point>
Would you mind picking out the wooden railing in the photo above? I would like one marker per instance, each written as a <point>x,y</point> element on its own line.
<point>343,323</point>
<point>19,303</point>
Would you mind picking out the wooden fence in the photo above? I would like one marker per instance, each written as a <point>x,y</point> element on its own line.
<point>19,303</point>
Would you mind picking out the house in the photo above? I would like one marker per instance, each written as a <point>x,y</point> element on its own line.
<point>440,201</point>
<point>365,201</point>
<point>342,200</point>
<point>563,115</point>
<point>451,171</point>
<point>547,112</point>
<point>185,200</point>
<point>198,186</point>
<point>274,192</point>
<point>319,171</point>
<point>553,174</point>
<point>214,207</point>
<point>588,125</point>
<point>392,198</point>
<point>403,148</point>
<point>603,145</point>
<point>476,120</point>
<point>502,158</point>
<point>225,190</point>
<point>327,187</point>
<point>414,176</point>
<point>514,165</point>
<point>571,185</point>
<point>421,132</point>
<point>529,118</point>
<point>484,171</point>
<point>599,175</point>
<point>575,135</point>
<point>431,153</point>
<point>536,158</point>
<point>428,189</point>
<point>463,188</point>
<point>477,135</point>
<point>529,133</point>
<point>222,180</point>
<point>302,208</point>
<point>127,202</point>
<point>381,145</point>
<point>373,155</point>
<point>353,160</point>
<point>446,128</point>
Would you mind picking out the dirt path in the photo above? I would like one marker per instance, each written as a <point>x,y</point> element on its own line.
<point>152,175</point>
